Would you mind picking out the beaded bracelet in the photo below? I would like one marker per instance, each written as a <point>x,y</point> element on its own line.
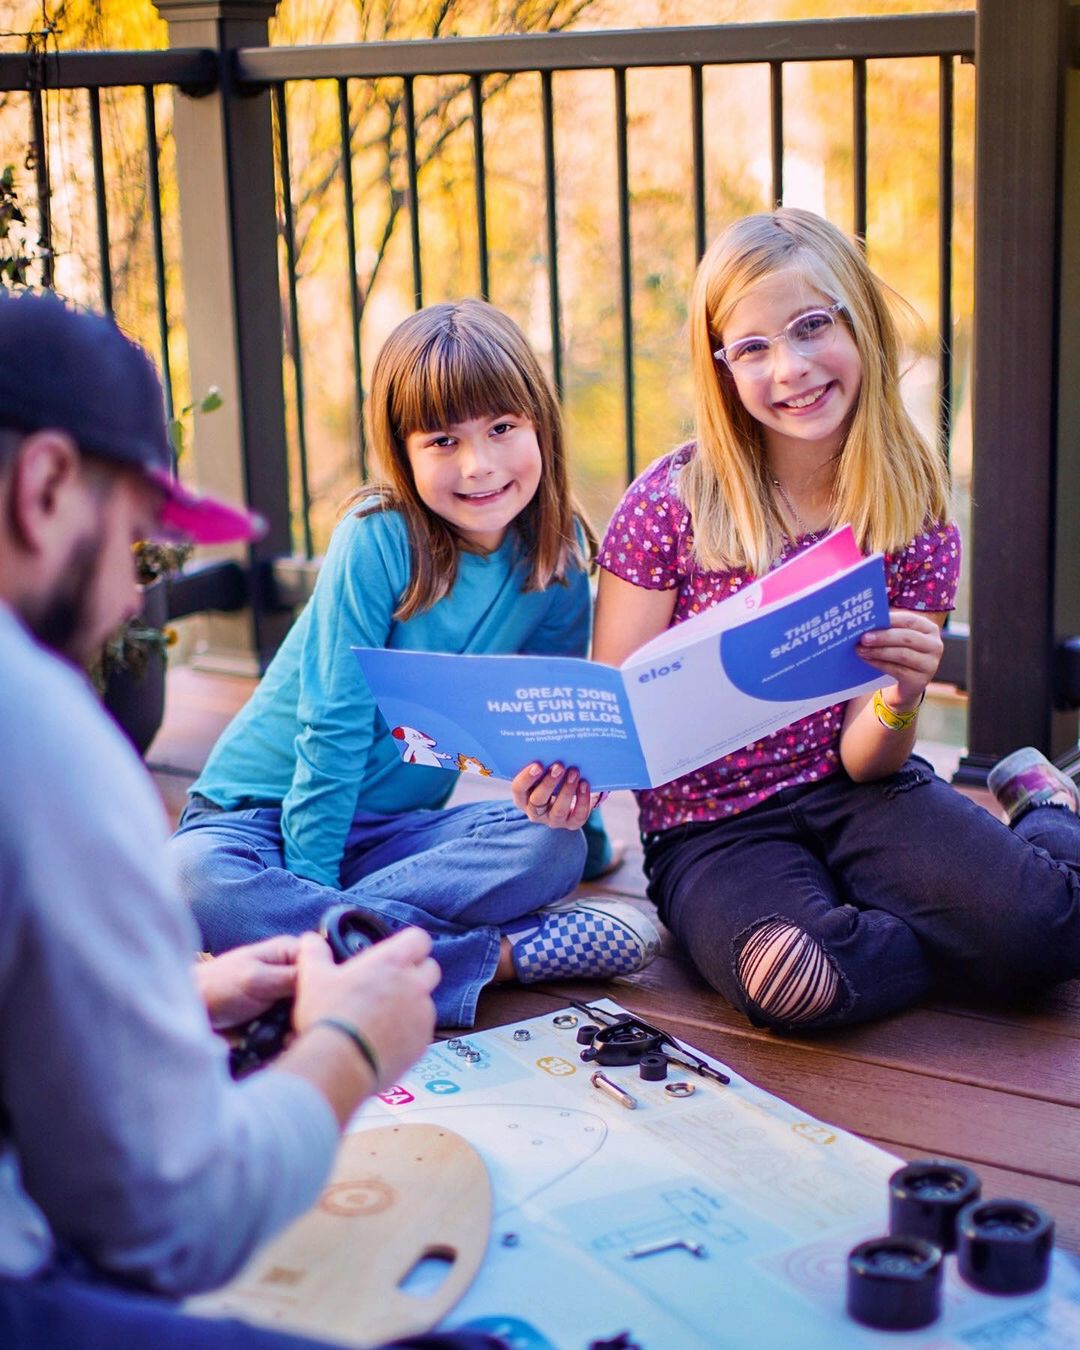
<point>891,720</point>
<point>358,1039</point>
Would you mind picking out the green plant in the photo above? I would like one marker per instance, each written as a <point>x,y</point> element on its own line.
<point>133,645</point>
<point>210,402</point>
<point>16,259</point>
<point>137,641</point>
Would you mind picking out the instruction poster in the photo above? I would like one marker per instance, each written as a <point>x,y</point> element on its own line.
<point>720,1220</point>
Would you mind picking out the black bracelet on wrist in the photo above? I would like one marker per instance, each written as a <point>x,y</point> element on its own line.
<point>357,1037</point>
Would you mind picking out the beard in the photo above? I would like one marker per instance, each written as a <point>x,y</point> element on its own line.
<point>63,620</point>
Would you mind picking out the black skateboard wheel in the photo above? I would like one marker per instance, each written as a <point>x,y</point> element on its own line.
<point>350,930</point>
<point>653,1067</point>
<point>1004,1246</point>
<point>894,1283</point>
<point>926,1196</point>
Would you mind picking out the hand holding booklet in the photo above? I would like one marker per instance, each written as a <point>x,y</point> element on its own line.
<point>775,651</point>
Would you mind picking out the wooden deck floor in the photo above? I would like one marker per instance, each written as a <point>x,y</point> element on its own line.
<point>998,1088</point>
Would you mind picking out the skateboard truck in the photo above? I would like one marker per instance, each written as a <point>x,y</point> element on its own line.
<point>624,1039</point>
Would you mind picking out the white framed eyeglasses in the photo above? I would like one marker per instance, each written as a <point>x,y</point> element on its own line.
<point>807,334</point>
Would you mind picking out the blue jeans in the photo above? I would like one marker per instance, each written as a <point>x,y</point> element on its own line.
<point>55,1312</point>
<point>908,887</point>
<point>460,873</point>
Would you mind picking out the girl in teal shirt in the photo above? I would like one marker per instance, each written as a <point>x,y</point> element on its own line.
<point>468,540</point>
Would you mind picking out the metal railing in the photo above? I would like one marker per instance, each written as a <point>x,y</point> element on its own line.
<point>855,42</point>
<point>35,75</point>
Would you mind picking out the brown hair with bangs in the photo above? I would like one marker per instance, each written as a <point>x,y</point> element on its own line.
<point>451,363</point>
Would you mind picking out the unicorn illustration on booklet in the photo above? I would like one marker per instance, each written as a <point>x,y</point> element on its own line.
<point>777,650</point>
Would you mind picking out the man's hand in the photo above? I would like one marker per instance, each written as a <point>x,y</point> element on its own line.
<point>243,983</point>
<point>385,992</point>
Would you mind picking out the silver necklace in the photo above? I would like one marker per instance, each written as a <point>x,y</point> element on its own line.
<point>799,523</point>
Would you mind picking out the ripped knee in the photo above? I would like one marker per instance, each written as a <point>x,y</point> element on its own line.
<point>787,976</point>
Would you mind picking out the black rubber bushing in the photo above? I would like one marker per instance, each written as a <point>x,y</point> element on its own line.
<point>894,1282</point>
<point>1004,1246</point>
<point>653,1067</point>
<point>926,1196</point>
<point>586,1033</point>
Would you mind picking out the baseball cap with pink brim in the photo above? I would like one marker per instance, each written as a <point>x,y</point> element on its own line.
<point>71,370</point>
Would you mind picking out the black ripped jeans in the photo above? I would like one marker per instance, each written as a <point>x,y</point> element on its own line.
<point>907,885</point>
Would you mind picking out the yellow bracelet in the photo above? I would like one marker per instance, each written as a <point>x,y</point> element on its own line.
<point>894,721</point>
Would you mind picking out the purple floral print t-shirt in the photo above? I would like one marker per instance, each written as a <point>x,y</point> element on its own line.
<point>649,543</point>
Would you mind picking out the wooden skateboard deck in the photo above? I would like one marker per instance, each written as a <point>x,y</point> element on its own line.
<point>396,1196</point>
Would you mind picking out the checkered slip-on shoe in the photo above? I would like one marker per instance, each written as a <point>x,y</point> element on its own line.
<point>583,937</point>
<point>1025,779</point>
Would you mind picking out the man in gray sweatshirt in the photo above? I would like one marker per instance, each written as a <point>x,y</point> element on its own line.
<point>131,1165</point>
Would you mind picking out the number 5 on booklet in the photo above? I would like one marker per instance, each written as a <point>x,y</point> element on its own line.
<point>779,649</point>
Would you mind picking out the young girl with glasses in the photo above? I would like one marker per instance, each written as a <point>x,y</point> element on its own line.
<point>467,540</point>
<point>822,875</point>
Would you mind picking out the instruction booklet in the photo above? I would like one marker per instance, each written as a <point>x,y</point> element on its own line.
<point>777,650</point>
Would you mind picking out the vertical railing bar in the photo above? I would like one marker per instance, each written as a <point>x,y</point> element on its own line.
<point>776,130</point>
<point>350,247</point>
<point>154,193</point>
<point>409,113</point>
<point>476,83</point>
<point>44,188</point>
<point>294,311</point>
<point>548,104</point>
<point>625,271</point>
<point>858,138</point>
<point>945,222</point>
<point>697,124</point>
<point>99,199</point>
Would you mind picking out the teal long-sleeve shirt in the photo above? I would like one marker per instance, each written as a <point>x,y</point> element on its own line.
<point>311,736</point>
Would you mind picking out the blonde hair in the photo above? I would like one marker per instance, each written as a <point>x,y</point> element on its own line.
<point>450,363</point>
<point>889,483</point>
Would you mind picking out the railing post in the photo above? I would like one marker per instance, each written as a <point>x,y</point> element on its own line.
<point>1021,52</point>
<point>1067,557</point>
<point>225,171</point>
